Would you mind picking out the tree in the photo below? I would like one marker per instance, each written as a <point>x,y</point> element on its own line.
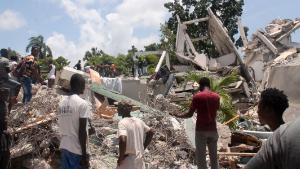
<point>93,53</point>
<point>228,11</point>
<point>123,64</point>
<point>60,63</point>
<point>95,57</point>
<point>39,42</point>
<point>153,47</point>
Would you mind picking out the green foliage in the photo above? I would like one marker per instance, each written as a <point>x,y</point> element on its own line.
<point>218,85</point>
<point>151,69</point>
<point>153,47</point>
<point>96,57</point>
<point>60,62</point>
<point>152,59</point>
<point>228,11</point>
<point>123,64</point>
<point>39,42</point>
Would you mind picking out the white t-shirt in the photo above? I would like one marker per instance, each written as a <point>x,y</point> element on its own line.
<point>51,74</point>
<point>135,130</point>
<point>71,108</point>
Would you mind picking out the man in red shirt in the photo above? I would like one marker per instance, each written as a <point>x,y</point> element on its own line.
<point>206,103</point>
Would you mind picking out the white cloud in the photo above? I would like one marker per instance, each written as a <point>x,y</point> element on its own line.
<point>115,32</point>
<point>61,46</point>
<point>10,20</point>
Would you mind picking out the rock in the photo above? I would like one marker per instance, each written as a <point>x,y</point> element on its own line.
<point>107,131</point>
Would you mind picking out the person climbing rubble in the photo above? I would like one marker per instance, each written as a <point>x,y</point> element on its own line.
<point>29,73</point>
<point>282,149</point>
<point>73,116</point>
<point>134,137</point>
<point>206,103</point>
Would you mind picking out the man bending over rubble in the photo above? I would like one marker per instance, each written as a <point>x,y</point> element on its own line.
<point>282,149</point>
<point>73,116</point>
<point>205,103</point>
<point>134,137</point>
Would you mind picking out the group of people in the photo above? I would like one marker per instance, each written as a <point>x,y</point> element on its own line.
<point>74,118</point>
<point>15,74</point>
<point>105,70</point>
<point>280,151</point>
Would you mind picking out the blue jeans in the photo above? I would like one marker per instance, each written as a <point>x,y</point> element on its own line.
<point>70,160</point>
<point>27,86</point>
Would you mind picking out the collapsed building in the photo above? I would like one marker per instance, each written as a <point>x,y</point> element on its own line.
<point>271,59</point>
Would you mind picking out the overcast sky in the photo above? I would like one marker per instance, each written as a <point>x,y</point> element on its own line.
<point>71,27</point>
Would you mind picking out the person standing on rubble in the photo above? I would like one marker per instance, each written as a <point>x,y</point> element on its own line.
<point>134,137</point>
<point>51,74</point>
<point>78,65</point>
<point>282,149</point>
<point>73,116</point>
<point>206,103</point>
<point>28,71</point>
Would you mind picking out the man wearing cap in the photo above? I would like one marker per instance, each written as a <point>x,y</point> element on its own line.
<point>28,71</point>
<point>134,137</point>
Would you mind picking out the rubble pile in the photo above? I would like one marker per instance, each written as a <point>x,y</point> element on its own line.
<point>33,126</point>
<point>270,47</point>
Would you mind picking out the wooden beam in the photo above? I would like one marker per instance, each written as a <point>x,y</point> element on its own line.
<point>237,154</point>
<point>267,42</point>
<point>196,20</point>
<point>43,121</point>
<point>161,59</point>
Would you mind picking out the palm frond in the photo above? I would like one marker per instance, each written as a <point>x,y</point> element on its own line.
<point>228,80</point>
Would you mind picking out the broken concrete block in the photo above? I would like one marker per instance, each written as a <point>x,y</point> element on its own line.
<point>286,54</point>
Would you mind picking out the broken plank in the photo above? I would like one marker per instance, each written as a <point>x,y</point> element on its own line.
<point>237,154</point>
<point>267,42</point>
<point>21,150</point>
<point>43,121</point>
<point>196,21</point>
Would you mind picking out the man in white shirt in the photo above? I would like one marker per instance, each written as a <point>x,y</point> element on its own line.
<point>73,116</point>
<point>134,137</point>
<point>51,75</point>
